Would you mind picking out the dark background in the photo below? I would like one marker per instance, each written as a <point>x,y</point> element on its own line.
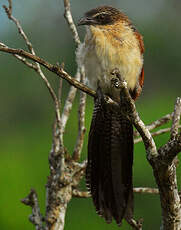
<point>26,109</point>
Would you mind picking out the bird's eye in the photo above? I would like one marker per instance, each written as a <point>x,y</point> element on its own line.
<point>100,16</point>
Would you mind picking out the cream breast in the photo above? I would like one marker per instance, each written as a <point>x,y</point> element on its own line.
<point>104,50</point>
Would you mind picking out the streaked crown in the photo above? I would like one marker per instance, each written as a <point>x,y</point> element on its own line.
<point>102,15</point>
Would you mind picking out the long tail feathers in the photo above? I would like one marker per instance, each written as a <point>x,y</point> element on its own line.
<point>110,159</point>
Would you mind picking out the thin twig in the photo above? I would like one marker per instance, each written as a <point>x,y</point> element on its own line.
<point>8,11</point>
<point>176,118</point>
<point>53,68</point>
<point>22,59</point>
<point>81,121</point>
<point>81,72</point>
<point>56,157</point>
<point>30,47</point>
<point>71,174</point>
<point>80,194</point>
<point>72,92</point>
<point>81,129</point>
<point>60,72</point>
<point>135,224</point>
<point>157,133</point>
<point>155,124</point>
<point>68,104</point>
<point>69,19</point>
<point>36,217</point>
<point>146,190</point>
<point>20,29</point>
<point>145,134</point>
<point>172,148</point>
<point>81,166</point>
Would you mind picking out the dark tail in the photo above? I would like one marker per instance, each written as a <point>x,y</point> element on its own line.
<point>110,159</point>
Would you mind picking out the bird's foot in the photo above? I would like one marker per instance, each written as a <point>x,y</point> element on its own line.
<point>116,72</point>
<point>116,79</point>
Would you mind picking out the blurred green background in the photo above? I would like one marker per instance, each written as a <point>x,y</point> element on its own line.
<point>26,109</point>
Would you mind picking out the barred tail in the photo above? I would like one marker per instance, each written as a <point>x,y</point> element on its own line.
<point>110,159</point>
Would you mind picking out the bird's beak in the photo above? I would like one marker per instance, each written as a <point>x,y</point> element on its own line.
<point>86,21</point>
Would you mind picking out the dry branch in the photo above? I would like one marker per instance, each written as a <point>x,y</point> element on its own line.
<point>18,25</point>
<point>64,173</point>
<point>146,190</point>
<point>176,118</point>
<point>84,194</point>
<point>154,134</point>
<point>155,124</point>
<point>68,105</point>
<point>36,217</point>
<point>53,68</point>
<point>81,121</point>
<point>164,170</point>
<point>69,19</point>
<point>73,90</point>
<point>22,59</point>
<point>135,224</point>
<point>130,110</point>
<point>36,66</point>
<point>162,160</point>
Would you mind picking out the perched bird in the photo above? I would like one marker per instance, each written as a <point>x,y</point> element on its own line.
<point>111,42</point>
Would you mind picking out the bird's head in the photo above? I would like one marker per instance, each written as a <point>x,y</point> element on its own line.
<point>102,15</point>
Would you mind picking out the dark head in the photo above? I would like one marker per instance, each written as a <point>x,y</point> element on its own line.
<point>102,15</point>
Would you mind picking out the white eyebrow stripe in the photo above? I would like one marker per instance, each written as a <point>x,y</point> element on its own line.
<point>104,12</point>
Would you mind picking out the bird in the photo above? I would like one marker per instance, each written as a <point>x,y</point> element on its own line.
<point>111,42</point>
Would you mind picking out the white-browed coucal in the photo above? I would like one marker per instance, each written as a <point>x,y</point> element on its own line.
<point>111,42</point>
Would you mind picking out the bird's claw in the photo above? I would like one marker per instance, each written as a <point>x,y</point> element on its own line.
<point>115,72</point>
<point>115,80</point>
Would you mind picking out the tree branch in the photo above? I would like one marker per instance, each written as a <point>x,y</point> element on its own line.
<point>81,121</point>
<point>72,92</point>
<point>53,68</point>
<point>68,104</point>
<point>176,118</point>
<point>155,124</point>
<point>71,24</point>
<point>22,59</point>
<point>36,67</point>
<point>18,25</point>
<point>128,107</point>
<point>135,224</point>
<point>61,180</point>
<point>154,134</point>
<point>36,217</point>
<point>84,194</point>
<point>146,190</point>
<point>164,170</point>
